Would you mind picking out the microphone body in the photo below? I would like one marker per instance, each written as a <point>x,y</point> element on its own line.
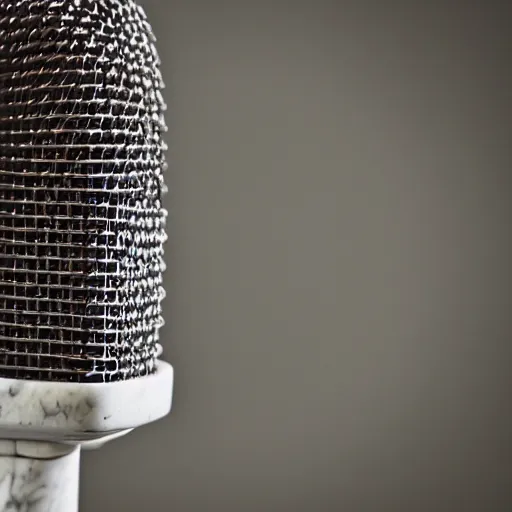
<point>82,229</point>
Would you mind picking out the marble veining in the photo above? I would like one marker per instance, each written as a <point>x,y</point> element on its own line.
<point>39,485</point>
<point>82,409</point>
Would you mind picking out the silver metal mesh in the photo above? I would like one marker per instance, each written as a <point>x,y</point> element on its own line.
<point>81,162</point>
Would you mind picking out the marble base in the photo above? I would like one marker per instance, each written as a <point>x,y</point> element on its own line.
<point>44,425</point>
<point>79,412</point>
<point>38,477</point>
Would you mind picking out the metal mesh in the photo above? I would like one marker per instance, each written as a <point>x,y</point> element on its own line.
<point>81,220</point>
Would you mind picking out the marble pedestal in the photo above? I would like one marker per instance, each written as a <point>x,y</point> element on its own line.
<point>44,425</point>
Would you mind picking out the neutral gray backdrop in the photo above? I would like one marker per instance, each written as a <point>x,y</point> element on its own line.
<point>339,283</point>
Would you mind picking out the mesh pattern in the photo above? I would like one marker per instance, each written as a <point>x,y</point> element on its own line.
<point>81,162</point>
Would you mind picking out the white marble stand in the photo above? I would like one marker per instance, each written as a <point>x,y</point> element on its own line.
<point>38,477</point>
<point>43,426</point>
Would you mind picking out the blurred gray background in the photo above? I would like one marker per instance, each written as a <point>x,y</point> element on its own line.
<point>339,283</point>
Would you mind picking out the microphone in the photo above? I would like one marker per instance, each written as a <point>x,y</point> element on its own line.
<point>82,230</point>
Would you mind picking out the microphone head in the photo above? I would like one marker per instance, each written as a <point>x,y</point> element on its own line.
<point>81,217</point>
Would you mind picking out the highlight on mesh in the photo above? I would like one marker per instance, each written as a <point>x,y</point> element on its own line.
<point>82,225</point>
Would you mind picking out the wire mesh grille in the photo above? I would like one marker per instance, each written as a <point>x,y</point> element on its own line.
<point>81,162</point>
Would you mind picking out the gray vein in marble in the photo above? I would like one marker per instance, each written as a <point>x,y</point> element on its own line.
<point>37,485</point>
<point>66,409</point>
